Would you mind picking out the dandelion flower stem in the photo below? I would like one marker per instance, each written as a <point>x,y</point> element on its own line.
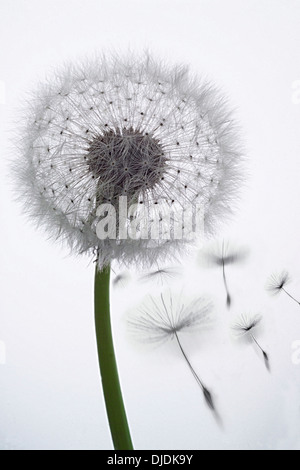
<point>108,367</point>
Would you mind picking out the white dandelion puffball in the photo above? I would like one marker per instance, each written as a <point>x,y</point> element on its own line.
<point>134,128</point>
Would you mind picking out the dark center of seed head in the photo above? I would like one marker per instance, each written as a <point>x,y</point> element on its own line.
<point>126,162</point>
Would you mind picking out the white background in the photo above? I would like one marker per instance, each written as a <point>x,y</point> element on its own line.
<point>50,395</point>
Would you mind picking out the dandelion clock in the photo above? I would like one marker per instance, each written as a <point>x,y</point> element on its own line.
<point>120,158</point>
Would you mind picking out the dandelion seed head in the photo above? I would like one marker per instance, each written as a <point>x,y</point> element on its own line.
<point>277,282</point>
<point>130,127</point>
<point>123,161</point>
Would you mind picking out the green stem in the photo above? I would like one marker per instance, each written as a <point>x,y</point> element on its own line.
<point>108,367</point>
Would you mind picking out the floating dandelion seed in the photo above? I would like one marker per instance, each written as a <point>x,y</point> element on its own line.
<point>159,321</point>
<point>162,274</point>
<point>121,280</point>
<point>244,327</point>
<point>223,255</point>
<point>134,128</point>
<point>277,283</point>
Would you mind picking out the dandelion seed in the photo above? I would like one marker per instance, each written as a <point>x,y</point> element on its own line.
<point>277,283</point>
<point>160,320</point>
<point>121,280</point>
<point>161,275</point>
<point>224,255</point>
<point>244,327</point>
